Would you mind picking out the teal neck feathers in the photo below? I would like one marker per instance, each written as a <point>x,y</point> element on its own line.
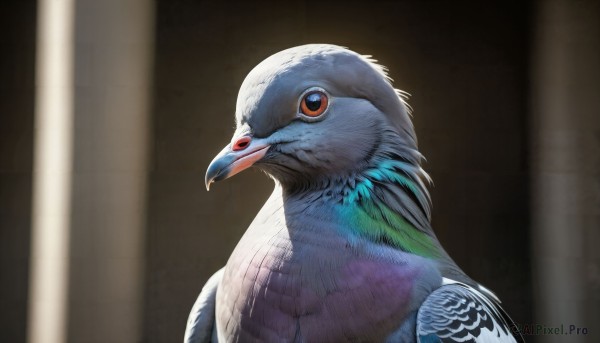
<point>390,204</point>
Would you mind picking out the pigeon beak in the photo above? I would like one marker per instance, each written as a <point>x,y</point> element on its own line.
<point>241,154</point>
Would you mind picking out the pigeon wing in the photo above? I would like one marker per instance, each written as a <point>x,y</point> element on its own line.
<point>457,312</point>
<point>201,321</point>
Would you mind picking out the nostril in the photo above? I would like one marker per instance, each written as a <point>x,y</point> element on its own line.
<point>241,144</point>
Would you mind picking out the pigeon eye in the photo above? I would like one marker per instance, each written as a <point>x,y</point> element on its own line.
<point>314,103</point>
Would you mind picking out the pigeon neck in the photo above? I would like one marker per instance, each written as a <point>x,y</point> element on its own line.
<point>389,204</point>
<point>386,202</point>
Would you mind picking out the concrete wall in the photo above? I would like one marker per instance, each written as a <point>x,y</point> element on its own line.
<point>565,145</point>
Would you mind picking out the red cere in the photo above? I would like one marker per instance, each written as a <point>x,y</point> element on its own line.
<point>241,143</point>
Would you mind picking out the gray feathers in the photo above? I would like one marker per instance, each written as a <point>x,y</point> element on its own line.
<point>268,98</point>
<point>201,321</point>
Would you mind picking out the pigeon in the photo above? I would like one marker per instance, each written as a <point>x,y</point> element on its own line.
<point>343,249</point>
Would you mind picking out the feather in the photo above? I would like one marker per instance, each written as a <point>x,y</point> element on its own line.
<point>457,312</point>
<point>201,321</point>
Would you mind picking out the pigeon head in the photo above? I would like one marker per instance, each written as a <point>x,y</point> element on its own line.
<point>311,113</point>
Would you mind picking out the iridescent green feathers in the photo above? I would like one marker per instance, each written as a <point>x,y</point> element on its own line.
<point>389,202</point>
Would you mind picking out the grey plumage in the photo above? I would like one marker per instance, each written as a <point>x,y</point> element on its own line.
<point>343,250</point>
<point>201,321</point>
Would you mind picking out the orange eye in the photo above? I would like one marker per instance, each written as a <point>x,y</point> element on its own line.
<point>314,103</point>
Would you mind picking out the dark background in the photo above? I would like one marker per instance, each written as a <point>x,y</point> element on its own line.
<point>468,66</point>
<point>17,93</point>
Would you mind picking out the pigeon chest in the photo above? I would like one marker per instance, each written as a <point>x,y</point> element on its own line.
<point>310,288</point>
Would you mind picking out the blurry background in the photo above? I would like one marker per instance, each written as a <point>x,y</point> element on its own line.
<point>110,112</point>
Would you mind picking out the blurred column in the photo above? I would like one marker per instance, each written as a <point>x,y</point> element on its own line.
<point>51,173</point>
<point>104,138</point>
<point>566,169</point>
